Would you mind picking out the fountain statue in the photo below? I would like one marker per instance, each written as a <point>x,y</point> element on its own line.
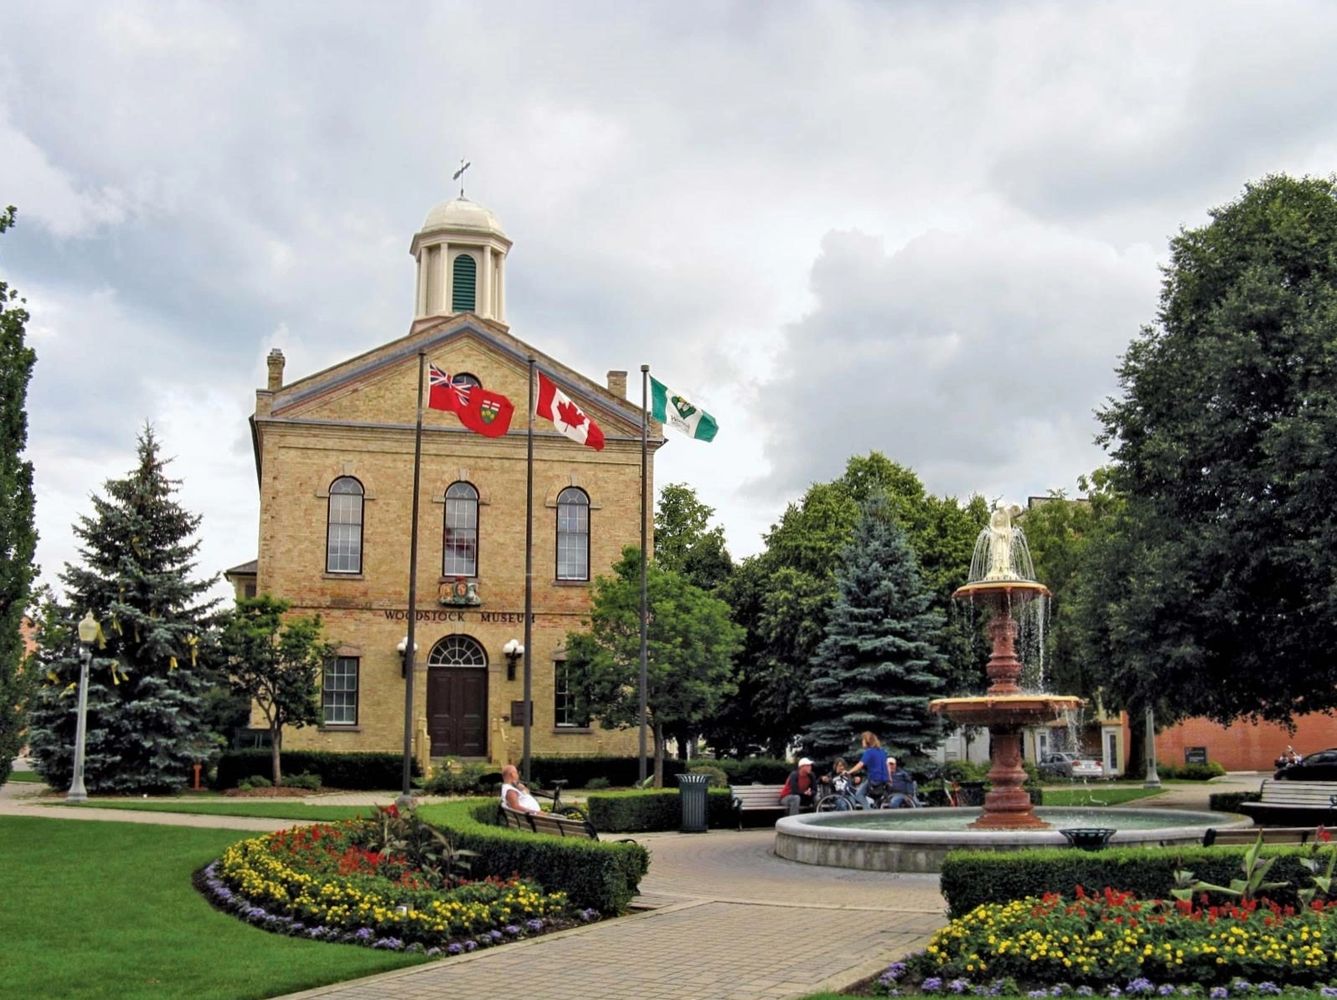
<point>1002,579</point>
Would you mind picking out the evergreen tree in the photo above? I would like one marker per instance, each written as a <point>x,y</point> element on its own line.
<point>881,659</point>
<point>148,679</point>
<point>18,539</point>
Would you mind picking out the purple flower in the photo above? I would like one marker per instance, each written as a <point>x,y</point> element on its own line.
<point>931,985</point>
<point>1139,987</point>
<point>433,952</point>
<point>894,972</point>
<point>495,935</point>
<point>454,948</point>
<point>1328,991</point>
<point>1219,993</point>
<point>1166,990</point>
<point>315,932</point>
<point>363,934</point>
<point>1038,993</point>
<point>534,924</point>
<point>471,945</point>
<point>1268,989</point>
<point>1084,991</point>
<point>1114,991</point>
<point>512,930</point>
<point>958,986</point>
<point>389,944</point>
<point>588,915</point>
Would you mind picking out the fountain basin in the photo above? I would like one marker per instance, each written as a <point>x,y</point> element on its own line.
<point>917,840</point>
<point>1005,709</point>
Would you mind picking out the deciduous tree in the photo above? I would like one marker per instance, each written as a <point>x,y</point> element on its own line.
<point>18,538</point>
<point>1219,588</point>
<point>690,649</point>
<point>276,662</point>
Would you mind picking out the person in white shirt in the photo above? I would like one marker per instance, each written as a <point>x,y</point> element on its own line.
<point>514,794</point>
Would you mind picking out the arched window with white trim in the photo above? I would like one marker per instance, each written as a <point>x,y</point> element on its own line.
<point>343,526</point>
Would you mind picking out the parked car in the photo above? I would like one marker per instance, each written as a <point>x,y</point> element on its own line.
<point>1066,764</point>
<point>1318,766</point>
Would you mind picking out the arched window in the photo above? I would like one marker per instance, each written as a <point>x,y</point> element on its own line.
<point>573,534</point>
<point>463,282</point>
<point>457,651</point>
<point>459,547</point>
<point>343,529</point>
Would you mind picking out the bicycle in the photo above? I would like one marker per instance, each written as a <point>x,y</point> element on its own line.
<point>559,808</point>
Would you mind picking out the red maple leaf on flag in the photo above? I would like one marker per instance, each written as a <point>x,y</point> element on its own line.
<point>570,413</point>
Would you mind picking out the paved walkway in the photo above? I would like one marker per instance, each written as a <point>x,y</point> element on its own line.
<point>727,919</point>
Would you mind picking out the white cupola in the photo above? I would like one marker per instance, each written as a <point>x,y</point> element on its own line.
<point>461,254</point>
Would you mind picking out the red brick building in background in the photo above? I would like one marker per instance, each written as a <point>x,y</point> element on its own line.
<point>1245,746</point>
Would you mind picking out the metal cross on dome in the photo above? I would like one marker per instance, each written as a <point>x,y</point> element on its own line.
<point>458,174</point>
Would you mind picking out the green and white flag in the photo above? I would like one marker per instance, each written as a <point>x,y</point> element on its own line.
<point>671,409</point>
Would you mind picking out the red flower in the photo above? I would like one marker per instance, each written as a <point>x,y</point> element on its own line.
<point>1322,834</point>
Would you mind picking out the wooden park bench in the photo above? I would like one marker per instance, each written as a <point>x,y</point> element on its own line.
<point>550,823</point>
<point>1249,835</point>
<point>755,798</point>
<point>1292,802</point>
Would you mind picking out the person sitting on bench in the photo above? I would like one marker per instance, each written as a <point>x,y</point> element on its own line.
<point>800,788</point>
<point>514,794</point>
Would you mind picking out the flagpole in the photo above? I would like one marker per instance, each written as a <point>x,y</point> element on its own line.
<point>529,572</point>
<point>645,559</point>
<point>405,793</point>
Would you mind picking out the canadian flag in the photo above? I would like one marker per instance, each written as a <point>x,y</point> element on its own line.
<point>566,416</point>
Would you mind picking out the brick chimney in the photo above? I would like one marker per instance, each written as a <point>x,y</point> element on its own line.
<point>617,384</point>
<point>275,362</point>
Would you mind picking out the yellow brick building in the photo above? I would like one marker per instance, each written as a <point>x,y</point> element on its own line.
<point>334,458</point>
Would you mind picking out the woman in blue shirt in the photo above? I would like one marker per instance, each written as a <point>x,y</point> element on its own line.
<point>873,762</point>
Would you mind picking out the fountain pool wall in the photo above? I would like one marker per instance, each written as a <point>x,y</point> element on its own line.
<point>916,840</point>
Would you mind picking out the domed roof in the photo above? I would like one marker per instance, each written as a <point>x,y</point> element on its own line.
<point>461,213</point>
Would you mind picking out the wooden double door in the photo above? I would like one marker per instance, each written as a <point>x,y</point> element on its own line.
<point>457,711</point>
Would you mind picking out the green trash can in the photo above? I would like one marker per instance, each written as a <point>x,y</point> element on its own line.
<point>692,794</point>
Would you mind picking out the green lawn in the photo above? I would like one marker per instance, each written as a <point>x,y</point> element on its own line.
<point>1095,795</point>
<point>29,776</point>
<point>107,910</point>
<point>266,808</point>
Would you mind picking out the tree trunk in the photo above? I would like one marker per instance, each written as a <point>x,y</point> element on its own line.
<point>275,748</point>
<point>1137,743</point>
<point>658,732</point>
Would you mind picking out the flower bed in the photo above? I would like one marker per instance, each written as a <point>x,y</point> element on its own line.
<point>1114,944</point>
<point>385,883</point>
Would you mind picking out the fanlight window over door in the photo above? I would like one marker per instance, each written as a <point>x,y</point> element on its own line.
<point>457,651</point>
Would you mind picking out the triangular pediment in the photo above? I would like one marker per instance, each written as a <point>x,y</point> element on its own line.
<point>380,387</point>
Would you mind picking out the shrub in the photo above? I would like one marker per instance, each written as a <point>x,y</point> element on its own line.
<point>353,771</point>
<point>970,878</point>
<point>307,780</point>
<point>1230,801</point>
<point>598,784</point>
<point>462,779</point>
<point>1191,772</point>
<point>718,779</point>
<point>595,874</point>
<point>642,811</point>
<point>254,781</point>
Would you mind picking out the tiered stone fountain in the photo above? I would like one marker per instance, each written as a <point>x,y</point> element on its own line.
<point>1002,579</point>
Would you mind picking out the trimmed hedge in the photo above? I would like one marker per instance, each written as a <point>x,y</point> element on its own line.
<point>1191,772</point>
<point>1229,802</point>
<point>653,809</point>
<point>592,873</point>
<point>970,878</point>
<point>352,771</point>
<point>624,771</point>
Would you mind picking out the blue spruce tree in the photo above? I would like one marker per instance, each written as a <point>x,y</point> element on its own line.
<point>881,659</point>
<point>147,720</point>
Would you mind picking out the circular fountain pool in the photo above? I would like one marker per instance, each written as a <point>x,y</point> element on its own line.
<point>916,840</point>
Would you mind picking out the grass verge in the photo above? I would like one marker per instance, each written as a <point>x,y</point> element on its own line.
<point>31,777</point>
<point>264,808</point>
<point>1095,795</point>
<point>102,910</point>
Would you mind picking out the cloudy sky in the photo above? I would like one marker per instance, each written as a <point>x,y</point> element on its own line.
<point>924,228</point>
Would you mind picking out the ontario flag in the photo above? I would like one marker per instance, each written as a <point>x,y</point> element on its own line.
<point>483,412</point>
<point>566,416</point>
